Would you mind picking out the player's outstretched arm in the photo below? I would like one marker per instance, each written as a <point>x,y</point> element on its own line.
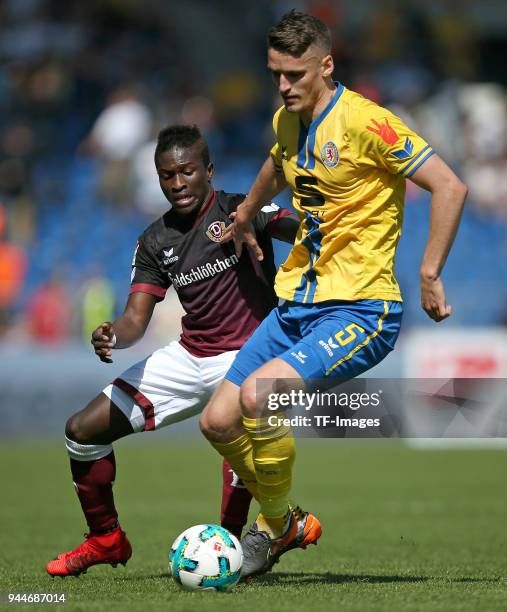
<point>127,329</point>
<point>448,195</point>
<point>266,186</point>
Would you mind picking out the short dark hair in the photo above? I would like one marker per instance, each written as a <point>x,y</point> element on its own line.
<point>183,136</point>
<point>296,31</point>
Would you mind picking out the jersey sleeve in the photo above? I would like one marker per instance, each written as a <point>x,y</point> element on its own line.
<point>146,275</point>
<point>383,138</point>
<point>267,218</point>
<point>276,151</point>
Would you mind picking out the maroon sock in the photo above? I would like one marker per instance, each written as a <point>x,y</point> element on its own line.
<point>236,500</point>
<point>94,485</point>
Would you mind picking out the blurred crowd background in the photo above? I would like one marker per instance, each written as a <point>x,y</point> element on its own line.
<point>86,86</point>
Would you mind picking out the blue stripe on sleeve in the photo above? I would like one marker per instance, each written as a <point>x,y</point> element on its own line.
<point>413,161</point>
<point>429,154</point>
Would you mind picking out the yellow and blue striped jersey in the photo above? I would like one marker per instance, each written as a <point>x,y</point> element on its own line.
<point>347,173</point>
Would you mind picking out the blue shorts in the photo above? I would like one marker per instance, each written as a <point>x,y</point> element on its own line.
<point>332,338</point>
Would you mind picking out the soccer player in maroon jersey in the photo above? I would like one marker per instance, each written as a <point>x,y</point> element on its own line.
<point>224,296</point>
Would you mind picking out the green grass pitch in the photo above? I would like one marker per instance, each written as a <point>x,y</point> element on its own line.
<point>404,529</point>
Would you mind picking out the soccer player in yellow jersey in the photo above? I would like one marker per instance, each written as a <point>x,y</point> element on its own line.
<point>346,160</point>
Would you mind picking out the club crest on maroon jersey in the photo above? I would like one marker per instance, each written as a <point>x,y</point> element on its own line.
<point>215,231</point>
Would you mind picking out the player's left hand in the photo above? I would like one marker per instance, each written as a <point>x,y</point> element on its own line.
<point>241,231</point>
<point>103,341</point>
<point>433,299</point>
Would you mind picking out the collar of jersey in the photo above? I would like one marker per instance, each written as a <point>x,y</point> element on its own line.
<point>307,134</point>
<point>206,206</point>
<point>320,118</point>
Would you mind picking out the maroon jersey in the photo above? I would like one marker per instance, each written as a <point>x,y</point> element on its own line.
<point>225,297</point>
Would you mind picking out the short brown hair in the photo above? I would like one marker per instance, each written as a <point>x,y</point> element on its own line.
<point>297,31</point>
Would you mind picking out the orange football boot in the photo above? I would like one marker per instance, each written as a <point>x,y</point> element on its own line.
<point>261,552</point>
<point>303,530</point>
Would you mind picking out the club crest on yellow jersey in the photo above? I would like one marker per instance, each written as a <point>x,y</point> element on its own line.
<point>330,155</point>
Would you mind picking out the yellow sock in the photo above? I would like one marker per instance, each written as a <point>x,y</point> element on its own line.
<point>274,526</point>
<point>273,457</point>
<point>239,454</point>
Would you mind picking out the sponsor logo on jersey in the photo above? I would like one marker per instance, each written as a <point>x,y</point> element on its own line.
<point>200,273</point>
<point>407,150</point>
<point>384,130</point>
<point>329,154</point>
<point>215,231</point>
<point>169,258</point>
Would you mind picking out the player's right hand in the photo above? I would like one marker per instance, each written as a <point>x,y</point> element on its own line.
<point>242,232</point>
<point>103,341</point>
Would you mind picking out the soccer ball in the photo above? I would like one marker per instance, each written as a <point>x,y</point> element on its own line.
<point>206,557</point>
